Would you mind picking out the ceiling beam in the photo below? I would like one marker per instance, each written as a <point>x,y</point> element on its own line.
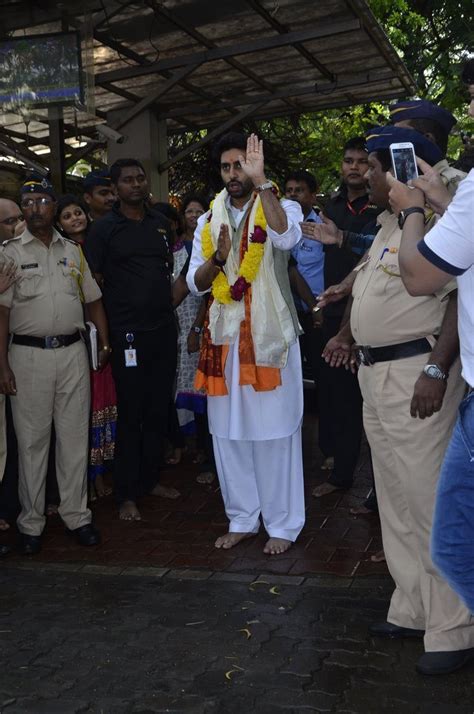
<point>210,136</point>
<point>153,96</point>
<point>361,79</point>
<point>282,29</point>
<point>195,34</point>
<point>265,43</point>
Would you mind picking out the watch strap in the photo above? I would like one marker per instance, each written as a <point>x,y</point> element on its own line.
<point>407,212</point>
<point>264,186</point>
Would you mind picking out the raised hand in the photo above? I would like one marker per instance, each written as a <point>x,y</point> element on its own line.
<point>253,162</point>
<point>430,182</point>
<point>326,233</point>
<point>223,243</point>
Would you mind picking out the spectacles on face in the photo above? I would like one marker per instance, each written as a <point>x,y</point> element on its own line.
<point>30,202</point>
<point>12,221</point>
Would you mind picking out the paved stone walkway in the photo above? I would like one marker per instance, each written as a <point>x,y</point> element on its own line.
<point>181,533</point>
<point>202,643</point>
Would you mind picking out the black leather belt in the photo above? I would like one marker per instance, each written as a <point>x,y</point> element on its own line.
<point>371,355</point>
<point>46,343</point>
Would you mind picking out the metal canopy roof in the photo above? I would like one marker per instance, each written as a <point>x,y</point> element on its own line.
<point>211,63</point>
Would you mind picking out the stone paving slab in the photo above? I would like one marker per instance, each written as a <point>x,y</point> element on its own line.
<point>180,534</point>
<point>89,643</point>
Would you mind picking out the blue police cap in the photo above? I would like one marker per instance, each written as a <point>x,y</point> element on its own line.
<point>36,183</point>
<point>380,137</point>
<point>96,178</point>
<point>422,109</point>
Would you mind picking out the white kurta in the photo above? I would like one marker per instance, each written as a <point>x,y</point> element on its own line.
<point>245,414</point>
<point>257,435</point>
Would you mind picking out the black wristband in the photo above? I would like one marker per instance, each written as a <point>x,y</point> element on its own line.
<point>218,263</point>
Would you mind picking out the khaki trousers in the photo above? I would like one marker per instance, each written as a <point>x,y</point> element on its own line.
<point>407,455</point>
<point>52,384</point>
<point>3,436</point>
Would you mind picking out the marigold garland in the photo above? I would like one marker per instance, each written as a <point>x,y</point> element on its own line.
<point>222,291</point>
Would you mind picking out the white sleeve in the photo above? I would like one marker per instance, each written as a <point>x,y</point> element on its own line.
<point>450,244</point>
<point>197,258</point>
<point>292,235</point>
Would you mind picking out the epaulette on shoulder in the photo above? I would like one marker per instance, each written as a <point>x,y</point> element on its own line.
<point>10,240</point>
<point>69,240</point>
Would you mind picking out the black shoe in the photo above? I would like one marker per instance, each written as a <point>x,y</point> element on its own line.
<point>387,629</point>
<point>85,535</point>
<point>4,550</point>
<point>30,545</point>
<point>444,662</point>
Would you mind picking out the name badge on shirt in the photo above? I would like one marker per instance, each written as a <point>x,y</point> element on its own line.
<point>28,266</point>
<point>305,246</point>
<point>130,358</point>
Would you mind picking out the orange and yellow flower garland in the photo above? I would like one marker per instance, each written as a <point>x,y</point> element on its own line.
<point>250,265</point>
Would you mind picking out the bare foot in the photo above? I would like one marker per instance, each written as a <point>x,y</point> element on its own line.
<point>328,464</point>
<point>361,511</point>
<point>324,489</point>
<point>275,546</point>
<point>378,557</point>
<point>165,492</point>
<point>128,511</point>
<point>206,477</point>
<point>51,509</point>
<point>199,457</point>
<point>228,540</point>
<point>100,488</point>
<point>4,525</point>
<point>175,456</point>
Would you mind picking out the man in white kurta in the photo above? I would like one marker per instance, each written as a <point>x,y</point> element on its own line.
<point>256,434</point>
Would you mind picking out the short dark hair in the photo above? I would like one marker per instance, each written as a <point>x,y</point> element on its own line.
<point>430,126</point>
<point>166,210</point>
<point>383,155</point>
<point>357,143</point>
<point>467,74</point>
<point>116,168</point>
<point>231,140</point>
<point>305,177</point>
<point>196,198</point>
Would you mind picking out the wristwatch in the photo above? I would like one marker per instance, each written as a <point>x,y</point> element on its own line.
<point>434,372</point>
<point>403,215</point>
<point>264,186</point>
<point>196,329</point>
<point>218,263</point>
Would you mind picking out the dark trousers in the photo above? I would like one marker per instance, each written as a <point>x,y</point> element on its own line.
<point>311,343</point>
<point>9,501</point>
<point>340,416</point>
<point>143,400</point>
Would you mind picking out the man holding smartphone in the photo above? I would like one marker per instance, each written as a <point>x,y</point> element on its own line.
<point>411,385</point>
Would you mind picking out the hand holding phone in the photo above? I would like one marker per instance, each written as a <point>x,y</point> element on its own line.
<point>404,161</point>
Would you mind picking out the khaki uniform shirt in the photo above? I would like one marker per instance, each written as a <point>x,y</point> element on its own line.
<point>45,300</point>
<point>451,176</point>
<point>383,312</point>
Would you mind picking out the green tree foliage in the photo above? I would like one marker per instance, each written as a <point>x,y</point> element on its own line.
<point>432,38</point>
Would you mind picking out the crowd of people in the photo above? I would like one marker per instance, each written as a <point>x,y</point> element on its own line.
<point>202,317</point>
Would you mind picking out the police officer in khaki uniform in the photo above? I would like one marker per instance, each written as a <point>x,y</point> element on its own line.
<point>411,386</point>
<point>46,369</point>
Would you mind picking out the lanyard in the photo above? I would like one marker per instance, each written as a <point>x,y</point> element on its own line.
<point>354,212</point>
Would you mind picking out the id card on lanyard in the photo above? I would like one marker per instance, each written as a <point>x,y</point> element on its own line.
<point>130,352</point>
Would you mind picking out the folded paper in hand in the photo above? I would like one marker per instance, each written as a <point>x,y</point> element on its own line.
<point>92,345</point>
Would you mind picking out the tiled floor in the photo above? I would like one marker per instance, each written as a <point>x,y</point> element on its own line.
<point>179,534</point>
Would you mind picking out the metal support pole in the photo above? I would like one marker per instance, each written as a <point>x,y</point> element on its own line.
<point>56,142</point>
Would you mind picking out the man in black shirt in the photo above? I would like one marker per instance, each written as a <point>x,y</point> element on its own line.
<point>340,401</point>
<point>129,251</point>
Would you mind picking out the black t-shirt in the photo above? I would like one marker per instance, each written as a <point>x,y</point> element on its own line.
<point>358,216</point>
<point>135,261</point>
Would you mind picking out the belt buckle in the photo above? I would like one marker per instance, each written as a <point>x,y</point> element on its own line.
<point>51,343</point>
<point>364,356</point>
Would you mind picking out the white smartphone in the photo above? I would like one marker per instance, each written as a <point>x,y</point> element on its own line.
<point>404,161</point>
